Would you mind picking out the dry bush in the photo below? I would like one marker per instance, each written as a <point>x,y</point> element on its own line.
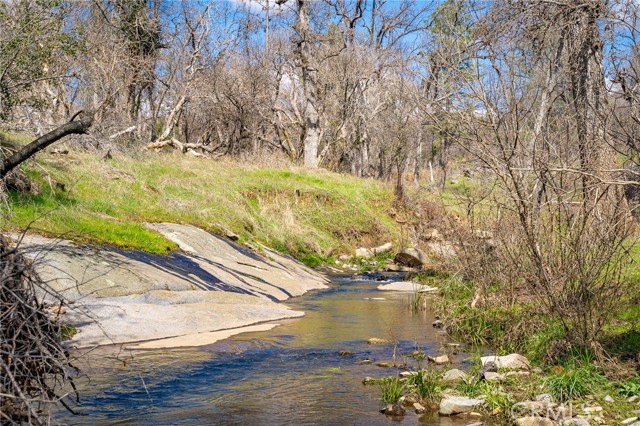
<point>35,366</point>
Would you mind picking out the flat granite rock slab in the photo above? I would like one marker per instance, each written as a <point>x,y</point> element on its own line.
<point>272,274</point>
<point>160,315</point>
<point>117,296</point>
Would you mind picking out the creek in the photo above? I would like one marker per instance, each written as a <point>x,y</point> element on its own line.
<point>291,375</point>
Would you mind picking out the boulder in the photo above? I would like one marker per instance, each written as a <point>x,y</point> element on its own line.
<point>512,361</point>
<point>451,405</point>
<point>629,421</point>
<point>407,286</point>
<point>364,252</point>
<point>455,376</point>
<point>394,410</point>
<point>437,324</point>
<point>534,421</point>
<point>411,257</point>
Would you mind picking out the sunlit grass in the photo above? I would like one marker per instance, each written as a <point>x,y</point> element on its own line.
<point>313,215</point>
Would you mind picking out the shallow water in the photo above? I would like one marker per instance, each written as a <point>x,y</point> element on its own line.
<point>291,375</point>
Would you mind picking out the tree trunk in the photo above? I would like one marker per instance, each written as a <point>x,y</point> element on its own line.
<point>72,127</point>
<point>311,140</point>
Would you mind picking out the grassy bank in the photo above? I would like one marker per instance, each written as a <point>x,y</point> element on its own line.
<point>312,215</point>
<point>605,374</point>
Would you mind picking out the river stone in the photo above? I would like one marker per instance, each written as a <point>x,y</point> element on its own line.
<point>394,410</point>
<point>455,376</point>
<point>364,252</point>
<point>419,408</point>
<point>629,420</point>
<point>442,359</point>
<point>512,361</point>
<point>490,376</point>
<point>608,398</point>
<point>377,341</point>
<point>543,397</point>
<point>411,257</point>
<point>534,421</point>
<point>451,405</point>
<point>407,286</point>
<point>577,421</point>
<point>382,249</point>
<point>489,367</point>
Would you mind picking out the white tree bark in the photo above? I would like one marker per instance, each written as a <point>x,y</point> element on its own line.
<point>309,74</point>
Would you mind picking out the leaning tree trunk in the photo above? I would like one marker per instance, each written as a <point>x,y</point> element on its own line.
<point>72,127</point>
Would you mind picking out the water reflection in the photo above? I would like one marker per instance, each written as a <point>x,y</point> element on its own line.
<point>291,375</point>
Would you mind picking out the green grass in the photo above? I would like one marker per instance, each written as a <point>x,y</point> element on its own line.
<point>573,383</point>
<point>67,331</point>
<point>312,215</point>
<point>427,384</point>
<point>391,389</point>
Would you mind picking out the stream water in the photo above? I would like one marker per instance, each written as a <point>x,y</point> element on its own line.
<point>291,375</point>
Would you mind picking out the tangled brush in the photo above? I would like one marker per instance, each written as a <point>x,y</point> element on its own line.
<point>34,366</point>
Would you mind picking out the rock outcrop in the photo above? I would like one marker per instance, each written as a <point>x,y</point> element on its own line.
<point>118,296</point>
